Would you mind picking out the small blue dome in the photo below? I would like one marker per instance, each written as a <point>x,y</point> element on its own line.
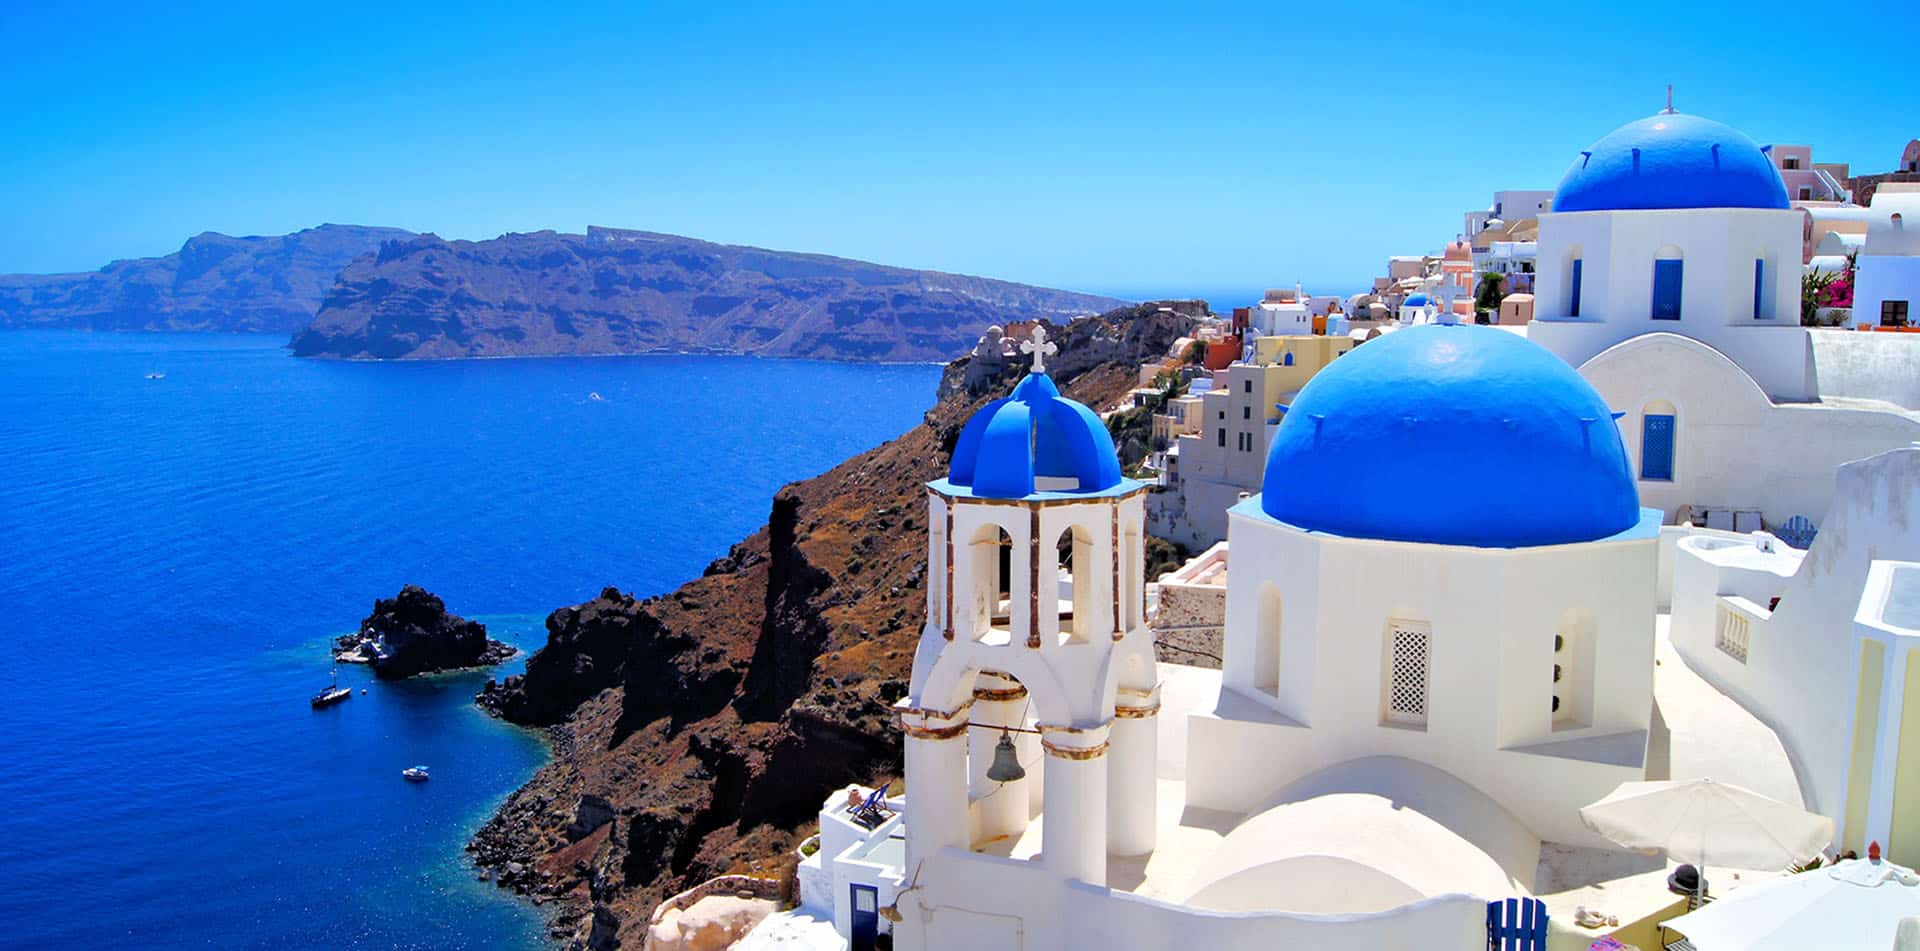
<point>1417,300</point>
<point>1671,160</point>
<point>1035,433</point>
<point>1451,435</point>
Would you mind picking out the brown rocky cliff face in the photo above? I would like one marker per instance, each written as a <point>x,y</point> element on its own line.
<point>743,698</point>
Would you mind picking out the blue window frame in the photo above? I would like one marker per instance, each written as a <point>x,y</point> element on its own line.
<point>1759,276</point>
<point>1573,308</point>
<point>1666,290</point>
<point>1656,447</point>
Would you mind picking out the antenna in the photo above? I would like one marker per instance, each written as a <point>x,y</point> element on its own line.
<point>1669,110</point>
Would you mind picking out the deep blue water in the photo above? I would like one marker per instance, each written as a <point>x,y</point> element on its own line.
<point>175,553</point>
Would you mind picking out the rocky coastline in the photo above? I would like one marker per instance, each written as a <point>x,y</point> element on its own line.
<point>696,733</point>
<point>414,633</point>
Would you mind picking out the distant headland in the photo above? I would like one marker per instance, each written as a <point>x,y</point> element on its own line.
<point>214,283</point>
<point>613,291</point>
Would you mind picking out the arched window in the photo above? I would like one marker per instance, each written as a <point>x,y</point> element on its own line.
<point>1077,574</point>
<point>1266,644</point>
<point>1657,441</point>
<point>1668,270</point>
<point>1573,283</point>
<point>991,551</point>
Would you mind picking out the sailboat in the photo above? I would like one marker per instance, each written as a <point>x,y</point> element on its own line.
<point>334,692</point>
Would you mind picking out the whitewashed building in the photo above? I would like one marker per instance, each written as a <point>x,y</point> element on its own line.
<point>1887,277</point>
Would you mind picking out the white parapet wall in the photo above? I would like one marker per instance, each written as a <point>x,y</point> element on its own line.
<point>1873,366</point>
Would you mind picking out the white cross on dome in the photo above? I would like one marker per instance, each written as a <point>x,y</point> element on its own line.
<point>1038,346</point>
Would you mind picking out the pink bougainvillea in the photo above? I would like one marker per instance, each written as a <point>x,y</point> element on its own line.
<point>1840,292</point>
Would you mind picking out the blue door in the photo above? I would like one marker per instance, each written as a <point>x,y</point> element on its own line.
<point>866,917</point>
<point>1666,290</point>
<point>1656,447</point>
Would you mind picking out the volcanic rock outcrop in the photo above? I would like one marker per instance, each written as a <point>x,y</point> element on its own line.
<point>412,633</point>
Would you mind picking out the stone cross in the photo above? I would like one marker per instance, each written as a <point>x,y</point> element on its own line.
<point>1040,348</point>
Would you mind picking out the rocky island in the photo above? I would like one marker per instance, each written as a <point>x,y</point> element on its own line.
<point>613,291</point>
<point>697,733</point>
<point>413,633</point>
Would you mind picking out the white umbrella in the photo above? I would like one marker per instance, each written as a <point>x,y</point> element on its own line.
<point>1697,820</point>
<point>1855,904</point>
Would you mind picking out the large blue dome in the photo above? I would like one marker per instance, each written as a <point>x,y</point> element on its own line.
<point>1033,434</point>
<point>1451,435</point>
<point>1671,160</point>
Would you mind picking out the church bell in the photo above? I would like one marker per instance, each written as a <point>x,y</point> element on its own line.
<point>1006,762</point>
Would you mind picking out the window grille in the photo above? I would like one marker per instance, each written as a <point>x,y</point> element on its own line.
<point>1731,637</point>
<point>1407,676</point>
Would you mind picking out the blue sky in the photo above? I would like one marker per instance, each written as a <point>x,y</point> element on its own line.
<point>1146,150</point>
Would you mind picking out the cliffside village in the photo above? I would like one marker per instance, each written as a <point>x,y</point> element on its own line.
<point>1615,497</point>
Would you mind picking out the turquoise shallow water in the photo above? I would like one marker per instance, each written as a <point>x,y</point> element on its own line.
<point>175,553</point>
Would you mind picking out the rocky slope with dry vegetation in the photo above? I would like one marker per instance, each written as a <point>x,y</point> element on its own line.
<point>697,733</point>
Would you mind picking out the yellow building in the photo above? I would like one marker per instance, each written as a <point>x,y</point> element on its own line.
<point>1289,362</point>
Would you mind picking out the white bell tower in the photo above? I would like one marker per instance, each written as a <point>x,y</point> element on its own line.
<point>1035,631</point>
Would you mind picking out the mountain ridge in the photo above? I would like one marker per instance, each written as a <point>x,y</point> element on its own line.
<point>615,291</point>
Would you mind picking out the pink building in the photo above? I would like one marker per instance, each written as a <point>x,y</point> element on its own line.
<point>1807,180</point>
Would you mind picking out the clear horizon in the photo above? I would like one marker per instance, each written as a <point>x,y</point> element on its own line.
<point>1132,152</point>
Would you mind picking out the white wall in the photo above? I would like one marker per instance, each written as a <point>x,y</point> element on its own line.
<point>1873,366</point>
<point>1800,676</point>
<point>1718,247</point>
<point>1733,448</point>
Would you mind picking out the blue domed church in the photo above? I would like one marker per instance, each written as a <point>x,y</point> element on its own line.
<point>1448,565</point>
<point>1676,224</point>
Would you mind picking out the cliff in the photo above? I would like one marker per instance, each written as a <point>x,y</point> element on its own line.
<point>697,733</point>
<point>615,291</point>
<point>413,633</point>
<point>213,283</point>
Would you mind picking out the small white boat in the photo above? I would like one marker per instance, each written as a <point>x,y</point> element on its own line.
<point>595,398</point>
<point>415,774</point>
<point>156,375</point>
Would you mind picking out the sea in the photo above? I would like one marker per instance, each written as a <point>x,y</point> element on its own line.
<point>186,520</point>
